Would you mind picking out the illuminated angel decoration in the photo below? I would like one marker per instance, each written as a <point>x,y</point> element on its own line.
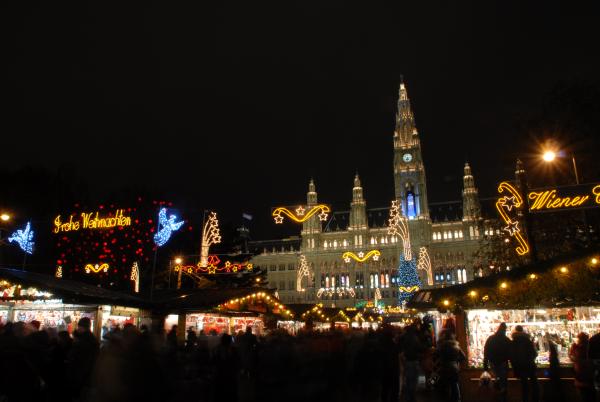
<point>24,238</point>
<point>166,227</point>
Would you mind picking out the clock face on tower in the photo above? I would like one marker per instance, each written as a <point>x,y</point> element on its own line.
<point>407,158</point>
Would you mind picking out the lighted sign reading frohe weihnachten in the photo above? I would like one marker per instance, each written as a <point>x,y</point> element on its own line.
<point>91,220</point>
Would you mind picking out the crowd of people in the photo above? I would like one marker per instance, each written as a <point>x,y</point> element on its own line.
<point>351,365</point>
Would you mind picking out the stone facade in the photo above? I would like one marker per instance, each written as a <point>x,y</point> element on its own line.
<point>451,241</point>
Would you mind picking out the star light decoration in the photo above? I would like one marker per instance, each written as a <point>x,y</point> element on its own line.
<point>213,267</point>
<point>135,277</point>
<point>210,235</point>
<point>424,264</point>
<point>303,271</point>
<point>361,257</point>
<point>398,226</point>
<point>301,215</point>
<point>505,204</point>
<point>24,238</point>
<point>95,268</point>
<point>166,227</point>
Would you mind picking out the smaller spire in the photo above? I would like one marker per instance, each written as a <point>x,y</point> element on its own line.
<point>467,169</point>
<point>311,186</point>
<point>356,180</point>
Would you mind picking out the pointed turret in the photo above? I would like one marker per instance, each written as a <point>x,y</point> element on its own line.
<point>311,225</point>
<point>358,207</point>
<point>471,206</point>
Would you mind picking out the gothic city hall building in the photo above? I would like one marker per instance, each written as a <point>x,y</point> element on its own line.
<point>350,258</point>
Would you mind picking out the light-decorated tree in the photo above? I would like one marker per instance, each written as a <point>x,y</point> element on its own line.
<point>408,278</point>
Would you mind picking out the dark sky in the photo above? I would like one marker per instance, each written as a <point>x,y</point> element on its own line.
<point>235,105</point>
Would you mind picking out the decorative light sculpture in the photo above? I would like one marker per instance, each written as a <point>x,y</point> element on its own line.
<point>135,277</point>
<point>210,235</point>
<point>398,226</point>
<point>339,291</point>
<point>213,267</point>
<point>58,273</point>
<point>424,264</point>
<point>24,238</point>
<point>504,205</point>
<point>166,227</point>
<point>301,215</point>
<point>303,270</point>
<point>361,256</point>
<point>95,268</point>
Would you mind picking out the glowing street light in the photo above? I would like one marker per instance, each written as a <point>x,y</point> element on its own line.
<point>5,217</point>
<point>549,156</point>
<point>178,260</point>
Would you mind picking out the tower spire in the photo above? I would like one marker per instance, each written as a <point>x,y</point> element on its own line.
<point>471,206</point>
<point>358,211</point>
<point>405,134</point>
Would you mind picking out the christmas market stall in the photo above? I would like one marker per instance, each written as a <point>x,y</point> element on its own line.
<point>221,310</point>
<point>60,303</point>
<point>553,301</point>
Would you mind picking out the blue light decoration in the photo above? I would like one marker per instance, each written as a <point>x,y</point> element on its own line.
<point>24,238</point>
<point>165,227</point>
<point>408,279</point>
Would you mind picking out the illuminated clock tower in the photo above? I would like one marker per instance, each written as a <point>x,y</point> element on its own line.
<point>409,170</point>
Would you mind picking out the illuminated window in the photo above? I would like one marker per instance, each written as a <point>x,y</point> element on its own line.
<point>325,244</point>
<point>345,243</point>
<point>471,231</point>
<point>411,208</point>
<point>335,244</point>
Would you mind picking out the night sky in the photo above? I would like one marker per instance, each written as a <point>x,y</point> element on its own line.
<point>235,106</point>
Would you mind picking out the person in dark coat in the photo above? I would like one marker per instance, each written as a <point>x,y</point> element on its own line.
<point>584,372</point>
<point>227,364</point>
<point>523,356</point>
<point>412,349</point>
<point>81,359</point>
<point>496,354</point>
<point>450,356</point>
<point>390,359</point>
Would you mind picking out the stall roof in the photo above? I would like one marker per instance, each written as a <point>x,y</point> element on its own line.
<point>71,291</point>
<point>430,298</point>
<point>197,299</point>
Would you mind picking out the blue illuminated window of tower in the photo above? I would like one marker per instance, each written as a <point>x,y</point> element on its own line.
<point>411,209</point>
<point>448,277</point>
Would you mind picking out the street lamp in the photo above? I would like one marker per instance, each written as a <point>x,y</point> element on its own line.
<point>5,217</point>
<point>549,156</point>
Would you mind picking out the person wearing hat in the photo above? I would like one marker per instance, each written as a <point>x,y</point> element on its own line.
<point>496,354</point>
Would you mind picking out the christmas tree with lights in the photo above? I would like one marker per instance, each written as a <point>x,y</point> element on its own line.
<point>408,279</point>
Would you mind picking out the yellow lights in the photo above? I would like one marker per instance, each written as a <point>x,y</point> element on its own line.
<point>257,280</point>
<point>210,235</point>
<point>594,261</point>
<point>446,302</point>
<point>504,205</point>
<point>135,277</point>
<point>255,298</point>
<point>361,257</point>
<point>549,156</point>
<point>91,220</point>
<point>503,285</point>
<point>473,293</point>
<point>301,215</point>
<point>398,226</point>
<point>58,273</point>
<point>563,270</point>
<point>408,289</point>
<point>532,276</point>
<point>424,264</point>
<point>5,217</point>
<point>303,270</point>
<point>95,268</point>
<point>178,260</point>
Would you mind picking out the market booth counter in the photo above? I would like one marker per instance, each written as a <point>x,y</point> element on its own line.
<point>60,303</point>
<point>553,301</point>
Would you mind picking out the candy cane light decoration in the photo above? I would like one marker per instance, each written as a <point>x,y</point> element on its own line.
<point>424,264</point>
<point>210,235</point>
<point>505,204</point>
